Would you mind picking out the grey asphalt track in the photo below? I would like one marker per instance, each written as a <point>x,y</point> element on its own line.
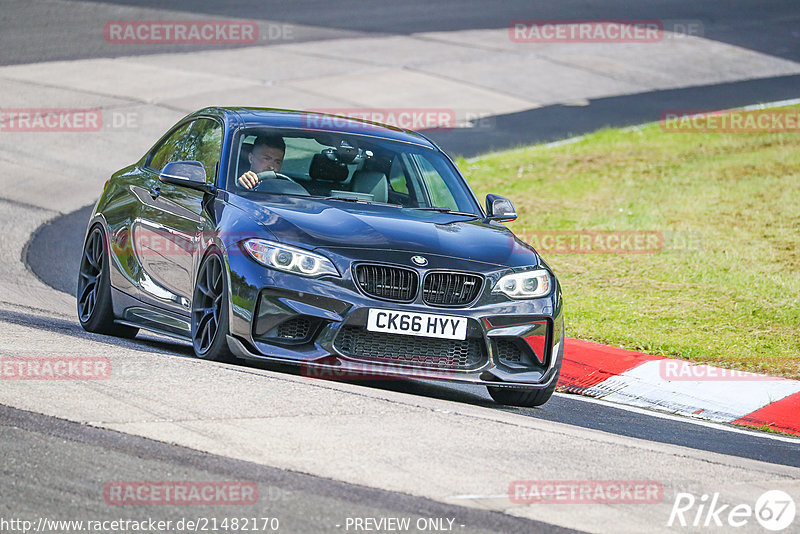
<point>62,237</point>
<point>57,469</point>
<point>552,123</point>
<point>72,462</point>
<point>739,22</point>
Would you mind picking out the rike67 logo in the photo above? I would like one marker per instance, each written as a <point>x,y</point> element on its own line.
<point>774,510</point>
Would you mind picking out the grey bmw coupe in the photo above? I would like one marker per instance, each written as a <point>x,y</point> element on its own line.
<point>349,248</point>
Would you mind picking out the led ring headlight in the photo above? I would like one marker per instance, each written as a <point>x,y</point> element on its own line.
<point>524,285</point>
<point>289,259</point>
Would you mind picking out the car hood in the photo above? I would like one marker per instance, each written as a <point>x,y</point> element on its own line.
<point>334,224</point>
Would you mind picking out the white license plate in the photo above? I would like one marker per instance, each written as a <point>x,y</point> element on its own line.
<point>417,324</point>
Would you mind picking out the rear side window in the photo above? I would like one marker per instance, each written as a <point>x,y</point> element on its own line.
<point>199,140</point>
<point>397,177</point>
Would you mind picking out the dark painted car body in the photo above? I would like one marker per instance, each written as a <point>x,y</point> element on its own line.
<point>158,233</point>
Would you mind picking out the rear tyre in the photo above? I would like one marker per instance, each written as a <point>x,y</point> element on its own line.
<point>529,397</point>
<point>210,311</point>
<point>95,307</point>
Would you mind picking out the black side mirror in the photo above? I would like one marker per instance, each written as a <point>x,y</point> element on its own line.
<point>186,173</point>
<point>499,209</point>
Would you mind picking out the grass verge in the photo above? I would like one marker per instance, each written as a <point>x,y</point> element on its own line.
<point>725,287</point>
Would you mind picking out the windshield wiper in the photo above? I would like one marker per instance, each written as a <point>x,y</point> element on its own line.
<point>361,201</point>
<point>348,199</point>
<point>444,210</point>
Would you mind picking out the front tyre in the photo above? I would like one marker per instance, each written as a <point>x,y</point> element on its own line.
<point>95,308</point>
<point>529,397</point>
<point>523,397</point>
<point>210,311</point>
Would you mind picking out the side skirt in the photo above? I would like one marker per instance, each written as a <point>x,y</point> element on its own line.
<point>132,312</point>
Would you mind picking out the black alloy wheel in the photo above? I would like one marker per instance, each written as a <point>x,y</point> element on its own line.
<point>95,307</point>
<point>210,311</point>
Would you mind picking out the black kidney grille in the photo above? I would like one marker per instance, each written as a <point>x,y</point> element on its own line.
<point>451,289</point>
<point>417,351</point>
<point>387,282</point>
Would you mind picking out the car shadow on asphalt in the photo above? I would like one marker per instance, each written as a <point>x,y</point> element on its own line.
<point>435,390</point>
<point>467,394</point>
<point>73,328</point>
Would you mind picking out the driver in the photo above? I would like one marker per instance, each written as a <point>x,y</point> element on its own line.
<point>266,155</point>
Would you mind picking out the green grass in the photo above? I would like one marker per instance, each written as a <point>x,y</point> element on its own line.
<point>724,290</point>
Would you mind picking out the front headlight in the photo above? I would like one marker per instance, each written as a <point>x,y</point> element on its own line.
<point>289,259</point>
<point>525,285</point>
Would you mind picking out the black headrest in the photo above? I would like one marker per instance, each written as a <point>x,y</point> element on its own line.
<point>324,168</point>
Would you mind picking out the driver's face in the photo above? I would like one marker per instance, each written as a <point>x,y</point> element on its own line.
<point>265,158</point>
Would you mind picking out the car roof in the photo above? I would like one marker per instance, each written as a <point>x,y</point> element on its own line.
<point>309,120</point>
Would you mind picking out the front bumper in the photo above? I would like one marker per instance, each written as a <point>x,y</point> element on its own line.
<point>320,324</point>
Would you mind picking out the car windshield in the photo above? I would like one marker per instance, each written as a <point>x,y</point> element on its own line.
<point>350,168</point>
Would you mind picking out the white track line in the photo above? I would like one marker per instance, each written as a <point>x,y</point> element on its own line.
<point>682,419</point>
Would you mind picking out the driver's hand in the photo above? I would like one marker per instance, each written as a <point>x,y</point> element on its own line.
<point>248,180</point>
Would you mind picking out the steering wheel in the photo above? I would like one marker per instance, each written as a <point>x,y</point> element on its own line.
<point>277,183</point>
<point>272,175</point>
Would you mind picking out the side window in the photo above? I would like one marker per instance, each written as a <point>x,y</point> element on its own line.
<point>171,149</point>
<point>200,140</point>
<point>440,194</point>
<point>205,145</point>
